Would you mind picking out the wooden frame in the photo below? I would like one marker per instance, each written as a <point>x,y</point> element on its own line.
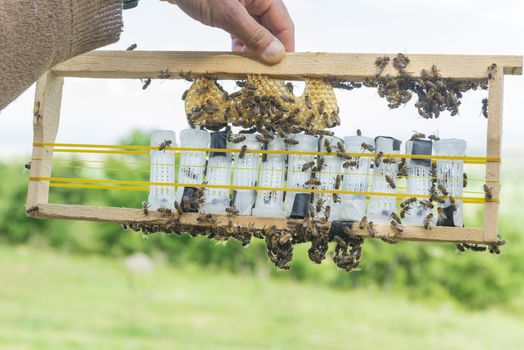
<point>295,66</point>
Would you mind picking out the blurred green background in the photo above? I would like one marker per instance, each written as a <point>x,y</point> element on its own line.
<point>69,285</point>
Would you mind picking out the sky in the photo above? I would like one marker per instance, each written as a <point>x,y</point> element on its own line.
<point>103,111</point>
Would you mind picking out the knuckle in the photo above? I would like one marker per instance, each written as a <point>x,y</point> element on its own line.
<point>257,38</point>
<point>231,11</point>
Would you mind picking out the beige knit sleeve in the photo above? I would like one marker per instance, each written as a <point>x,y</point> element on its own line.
<point>37,34</point>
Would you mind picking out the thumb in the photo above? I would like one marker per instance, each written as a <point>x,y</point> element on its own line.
<point>253,35</point>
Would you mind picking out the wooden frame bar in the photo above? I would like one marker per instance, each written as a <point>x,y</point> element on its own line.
<point>46,117</point>
<point>295,66</point>
<point>126,215</point>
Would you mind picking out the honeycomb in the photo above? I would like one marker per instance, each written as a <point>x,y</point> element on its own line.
<point>262,102</point>
<point>318,106</point>
<point>205,104</point>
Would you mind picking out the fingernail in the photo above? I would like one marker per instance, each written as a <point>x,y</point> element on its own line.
<point>274,52</point>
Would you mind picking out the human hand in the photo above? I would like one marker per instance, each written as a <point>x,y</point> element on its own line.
<point>263,27</point>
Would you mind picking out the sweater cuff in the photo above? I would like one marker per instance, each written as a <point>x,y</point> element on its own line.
<point>94,24</point>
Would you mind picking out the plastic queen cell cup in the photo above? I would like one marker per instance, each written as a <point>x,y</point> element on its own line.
<point>355,179</point>
<point>381,207</point>
<point>162,170</point>
<point>192,163</point>
<point>296,203</point>
<point>450,175</point>
<point>245,173</point>
<point>270,202</point>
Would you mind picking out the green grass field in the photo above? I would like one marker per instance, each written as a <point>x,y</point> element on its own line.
<point>57,301</point>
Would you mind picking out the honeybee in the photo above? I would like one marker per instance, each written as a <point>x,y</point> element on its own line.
<point>166,212</point>
<point>428,221</point>
<point>145,83</point>
<point>340,242</point>
<point>363,222</point>
<point>206,218</point>
<point>336,198</point>
<point>235,139</point>
<point>441,214</point>
<point>308,165</point>
<point>327,211</point>
<point>404,212</point>
<point>186,76</point>
<point>184,94</point>
<point>492,69</point>
<point>465,180</point>
<point>320,163</point>
<point>327,145</point>
<point>378,158</point>
<point>452,203</point>
<point>460,247</point>
<point>391,182</point>
<point>32,210</point>
<point>426,203</point>
<point>319,205</point>
<point>145,207</point>
<point>321,107</point>
<point>290,142</point>
<point>28,166</point>
<point>202,90</point>
<point>437,198</point>
<point>338,180</point>
<point>396,227</point>
<point>389,160</point>
<point>164,145</point>
<point>209,107</point>
<point>407,202</point>
<point>289,87</point>
<point>308,102</point>
<point>395,217</point>
<point>381,63</point>
<point>485,102</point>
<point>285,238</point>
<point>287,99</point>
<point>242,152</point>
<point>250,86</point>
<point>368,147</point>
<point>359,132</point>
<point>389,240</point>
<point>178,208</point>
<point>312,182</point>
<point>340,147</point>
<point>371,229</point>
<point>418,135</point>
<point>186,203</point>
<point>234,95</point>
<point>231,211</point>
<point>350,164</point>
<point>433,137</point>
<point>443,190</point>
<point>164,74</point>
<point>494,249</point>
<point>262,139</point>
<point>348,230</point>
<point>343,155</point>
<point>487,192</point>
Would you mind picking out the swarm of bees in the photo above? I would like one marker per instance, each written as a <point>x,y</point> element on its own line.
<point>434,93</point>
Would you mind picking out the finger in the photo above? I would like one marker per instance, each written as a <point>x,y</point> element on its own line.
<point>275,17</point>
<point>236,45</point>
<point>238,22</point>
